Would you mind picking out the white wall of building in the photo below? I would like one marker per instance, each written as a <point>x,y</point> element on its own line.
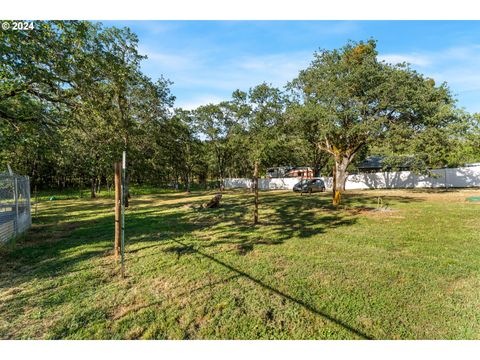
<point>451,178</point>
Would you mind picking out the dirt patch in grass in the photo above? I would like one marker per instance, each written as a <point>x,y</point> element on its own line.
<point>10,292</point>
<point>123,311</point>
<point>436,195</point>
<point>370,210</point>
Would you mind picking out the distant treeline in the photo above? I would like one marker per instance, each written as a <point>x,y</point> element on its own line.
<point>73,97</point>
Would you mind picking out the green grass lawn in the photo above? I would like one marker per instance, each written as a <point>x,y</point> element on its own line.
<point>308,271</point>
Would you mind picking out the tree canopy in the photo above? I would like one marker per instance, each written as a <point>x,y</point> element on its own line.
<point>347,99</point>
<point>73,97</point>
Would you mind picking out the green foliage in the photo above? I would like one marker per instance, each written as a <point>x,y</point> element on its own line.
<point>248,128</point>
<point>347,100</point>
<point>73,97</point>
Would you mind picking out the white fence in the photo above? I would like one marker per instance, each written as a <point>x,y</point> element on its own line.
<point>449,178</point>
<point>264,184</point>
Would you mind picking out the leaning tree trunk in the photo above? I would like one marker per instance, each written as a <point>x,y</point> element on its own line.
<point>339,178</point>
<point>255,187</point>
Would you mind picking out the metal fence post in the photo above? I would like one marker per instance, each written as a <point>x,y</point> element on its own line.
<point>28,202</point>
<point>15,196</point>
<point>123,197</point>
<point>118,189</point>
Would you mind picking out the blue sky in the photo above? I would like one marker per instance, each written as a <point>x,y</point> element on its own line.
<point>208,60</point>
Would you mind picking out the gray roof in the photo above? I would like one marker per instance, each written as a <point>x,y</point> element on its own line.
<point>377,162</point>
<point>372,162</point>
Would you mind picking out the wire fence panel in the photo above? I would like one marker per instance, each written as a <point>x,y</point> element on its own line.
<point>15,207</point>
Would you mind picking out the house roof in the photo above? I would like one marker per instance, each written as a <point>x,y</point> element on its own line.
<point>301,168</point>
<point>377,162</point>
<point>372,162</point>
<point>289,168</point>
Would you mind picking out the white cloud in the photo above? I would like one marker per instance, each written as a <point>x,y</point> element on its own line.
<point>166,60</point>
<point>202,76</point>
<point>457,66</point>
<point>460,79</point>
<point>279,63</point>
<point>414,59</point>
<point>461,53</point>
<point>157,27</point>
<point>195,102</point>
<point>200,71</point>
<point>248,71</point>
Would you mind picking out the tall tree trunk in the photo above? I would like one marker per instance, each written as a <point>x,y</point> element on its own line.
<point>187,183</point>
<point>334,185</point>
<point>339,177</point>
<point>255,185</point>
<point>221,172</point>
<point>123,105</point>
<point>93,189</point>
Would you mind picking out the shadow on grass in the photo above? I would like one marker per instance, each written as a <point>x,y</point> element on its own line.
<point>51,246</point>
<point>210,285</point>
<point>282,294</point>
<point>439,190</point>
<point>68,237</point>
<point>288,216</point>
<point>63,246</point>
<point>282,217</point>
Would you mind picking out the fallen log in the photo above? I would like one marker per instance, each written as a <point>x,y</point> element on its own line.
<point>213,203</point>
